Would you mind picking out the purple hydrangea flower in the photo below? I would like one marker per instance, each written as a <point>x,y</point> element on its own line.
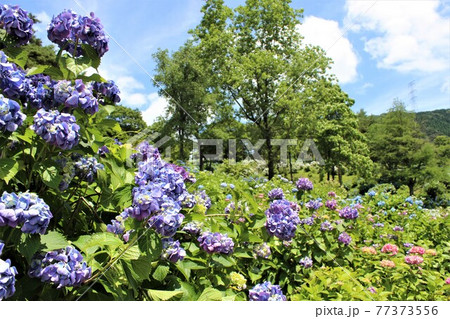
<point>306,262</point>
<point>326,226</point>
<point>380,225</point>
<point>12,78</point>
<point>189,201</point>
<point>63,267</point>
<point>216,243</point>
<point>203,199</point>
<point>408,245</point>
<point>314,204</point>
<point>262,250</point>
<point>168,220</point>
<point>397,228</point>
<point>78,95</point>
<point>266,292</point>
<point>345,238</point>
<point>59,129</point>
<point>108,90</point>
<point>307,221</point>
<point>172,251</point>
<point>27,209</point>
<point>10,116</point>
<point>16,22</point>
<point>116,227</point>
<point>304,184</point>
<point>69,29</point>
<point>348,212</point>
<point>7,277</point>
<point>282,220</point>
<point>86,168</point>
<point>276,193</point>
<point>102,151</point>
<point>331,204</point>
<point>193,228</point>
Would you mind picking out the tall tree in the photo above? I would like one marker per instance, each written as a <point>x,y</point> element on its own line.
<point>258,61</point>
<point>398,146</point>
<point>184,83</point>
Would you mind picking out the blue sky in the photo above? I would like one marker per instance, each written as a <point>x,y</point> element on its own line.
<point>383,49</point>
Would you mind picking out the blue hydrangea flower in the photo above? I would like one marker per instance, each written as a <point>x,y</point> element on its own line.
<point>172,250</point>
<point>27,209</point>
<point>7,277</point>
<point>276,193</point>
<point>314,204</point>
<point>306,262</point>
<point>69,29</point>
<point>108,90</point>
<point>304,184</point>
<point>348,213</point>
<point>262,250</point>
<point>203,199</point>
<point>189,201</point>
<point>282,220</point>
<point>223,184</point>
<point>63,267</point>
<point>12,78</point>
<point>307,221</point>
<point>86,168</point>
<point>326,226</point>
<point>216,243</point>
<point>193,228</point>
<point>10,115</point>
<point>409,199</point>
<point>381,203</point>
<point>345,238</point>
<point>371,193</point>
<point>168,220</point>
<point>418,202</point>
<point>59,129</point>
<point>266,292</point>
<point>16,22</point>
<point>379,225</point>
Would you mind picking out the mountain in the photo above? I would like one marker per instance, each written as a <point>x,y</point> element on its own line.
<point>435,122</point>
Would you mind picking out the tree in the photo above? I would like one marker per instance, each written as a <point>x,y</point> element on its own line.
<point>398,145</point>
<point>184,83</point>
<point>258,62</point>
<point>130,121</point>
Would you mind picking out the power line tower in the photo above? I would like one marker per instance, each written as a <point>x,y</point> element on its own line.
<point>412,95</point>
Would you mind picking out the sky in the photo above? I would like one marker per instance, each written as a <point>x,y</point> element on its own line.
<point>382,49</point>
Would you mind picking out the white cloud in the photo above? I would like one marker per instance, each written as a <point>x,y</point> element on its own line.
<point>328,35</point>
<point>407,35</point>
<point>41,28</point>
<point>156,108</point>
<point>445,87</point>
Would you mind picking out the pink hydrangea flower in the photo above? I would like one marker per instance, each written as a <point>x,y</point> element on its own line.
<point>447,281</point>
<point>369,250</point>
<point>417,250</point>
<point>387,263</point>
<point>389,248</point>
<point>414,260</point>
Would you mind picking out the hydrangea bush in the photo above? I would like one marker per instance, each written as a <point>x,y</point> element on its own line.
<point>86,216</point>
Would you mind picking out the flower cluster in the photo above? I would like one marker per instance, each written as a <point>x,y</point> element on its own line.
<point>331,204</point>
<point>77,95</point>
<point>10,116</point>
<point>276,193</point>
<point>304,184</point>
<point>16,23</point>
<point>59,129</point>
<point>193,228</point>
<point>314,204</point>
<point>389,248</point>
<point>387,263</point>
<point>86,168</point>
<point>27,209</point>
<point>369,250</point>
<point>326,226</point>
<point>7,277</point>
<point>348,213</point>
<point>266,292</point>
<point>69,30</point>
<point>413,260</point>
<point>345,238</point>
<point>306,262</point>
<point>172,251</point>
<point>107,90</point>
<point>12,78</point>
<point>417,250</point>
<point>203,199</point>
<point>62,267</point>
<point>238,281</point>
<point>282,220</point>
<point>262,250</point>
<point>168,220</point>
<point>216,243</point>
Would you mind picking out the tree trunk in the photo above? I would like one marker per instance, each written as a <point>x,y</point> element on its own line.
<point>411,184</point>
<point>340,175</point>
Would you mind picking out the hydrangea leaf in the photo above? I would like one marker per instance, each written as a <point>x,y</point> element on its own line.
<point>210,294</point>
<point>161,272</point>
<point>162,295</point>
<point>8,169</point>
<point>53,241</point>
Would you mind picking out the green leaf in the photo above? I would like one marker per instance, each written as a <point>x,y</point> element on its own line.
<point>160,272</point>
<point>37,69</point>
<point>131,253</point>
<point>8,169</point>
<point>54,240</point>
<point>29,245</point>
<point>141,267</point>
<point>17,55</point>
<point>162,295</point>
<point>98,239</point>
<point>91,54</point>
<point>210,294</point>
<point>224,261</point>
